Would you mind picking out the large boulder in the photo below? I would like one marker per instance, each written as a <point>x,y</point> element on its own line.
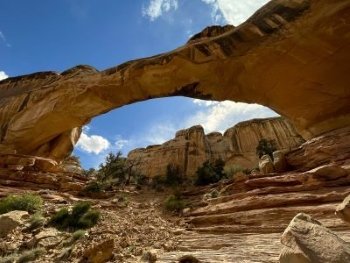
<point>305,240</point>
<point>279,161</point>
<point>343,210</point>
<point>11,220</point>
<point>266,164</point>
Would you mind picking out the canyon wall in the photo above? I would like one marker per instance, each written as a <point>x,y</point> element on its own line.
<point>291,55</point>
<point>191,147</point>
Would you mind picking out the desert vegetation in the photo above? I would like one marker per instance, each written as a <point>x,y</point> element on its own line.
<point>26,202</point>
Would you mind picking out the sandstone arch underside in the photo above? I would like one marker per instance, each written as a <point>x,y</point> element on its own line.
<point>292,56</point>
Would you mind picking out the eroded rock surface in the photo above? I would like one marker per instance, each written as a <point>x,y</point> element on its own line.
<point>11,220</point>
<point>306,241</point>
<point>41,114</point>
<point>343,210</point>
<point>237,146</point>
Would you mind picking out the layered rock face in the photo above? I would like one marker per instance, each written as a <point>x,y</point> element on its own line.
<point>191,147</point>
<point>292,56</point>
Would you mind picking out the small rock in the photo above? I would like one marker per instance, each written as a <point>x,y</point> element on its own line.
<point>11,220</point>
<point>149,256</point>
<point>99,253</point>
<point>189,259</point>
<point>186,211</point>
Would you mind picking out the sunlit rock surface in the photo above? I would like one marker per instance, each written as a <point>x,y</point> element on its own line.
<point>237,146</point>
<point>292,56</point>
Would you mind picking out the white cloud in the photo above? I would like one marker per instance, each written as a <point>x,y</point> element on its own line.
<point>234,12</point>
<point>156,8</point>
<point>3,75</point>
<point>92,143</point>
<point>219,116</point>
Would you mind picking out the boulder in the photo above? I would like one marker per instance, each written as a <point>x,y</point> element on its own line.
<point>48,238</point>
<point>305,240</point>
<point>343,210</point>
<point>266,164</point>
<point>11,220</point>
<point>279,161</point>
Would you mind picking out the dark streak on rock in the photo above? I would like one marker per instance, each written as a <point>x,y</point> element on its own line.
<point>190,90</point>
<point>24,103</point>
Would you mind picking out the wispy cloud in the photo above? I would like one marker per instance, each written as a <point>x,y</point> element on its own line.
<point>234,11</point>
<point>120,143</point>
<point>157,8</point>
<point>3,75</point>
<point>4,40</point>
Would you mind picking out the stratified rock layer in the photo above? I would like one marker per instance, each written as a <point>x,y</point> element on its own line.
<point>292,56</point>
<point>191,147</point>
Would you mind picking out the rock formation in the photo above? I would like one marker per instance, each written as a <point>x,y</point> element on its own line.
<point>332,147</point>
<point>306,241</point>
<point>191,147</point>
<point>343,210</point>
<point>292,56</point>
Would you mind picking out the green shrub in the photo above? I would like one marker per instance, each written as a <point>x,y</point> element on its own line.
<point>174,203</point>
<point>25,202</point>
<point>266,147</point>
<point>36,221</point>
<point>25,256</point>
<point>78,235</point>
<point>94,187</point>
<point>81,217</point>
<point>30,255</point>
<point>210,172</point>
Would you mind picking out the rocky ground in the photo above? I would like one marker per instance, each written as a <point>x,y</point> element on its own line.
<point>242,222</point>
<point>238,220</point>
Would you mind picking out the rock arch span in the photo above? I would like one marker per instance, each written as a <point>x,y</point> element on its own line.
<point>292,56</point>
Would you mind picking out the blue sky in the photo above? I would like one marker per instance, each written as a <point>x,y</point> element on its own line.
<point>40,35</point>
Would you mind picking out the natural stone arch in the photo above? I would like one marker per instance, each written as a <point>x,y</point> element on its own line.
<point>292,56</point>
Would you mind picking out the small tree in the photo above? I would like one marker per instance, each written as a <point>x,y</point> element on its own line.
<point>113,169</point>
<point>90,172</point>
<point>210,172</point>
<point>266,147</point>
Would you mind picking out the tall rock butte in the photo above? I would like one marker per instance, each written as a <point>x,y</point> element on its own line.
<point>237,146</point>
<point>291,55</point>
